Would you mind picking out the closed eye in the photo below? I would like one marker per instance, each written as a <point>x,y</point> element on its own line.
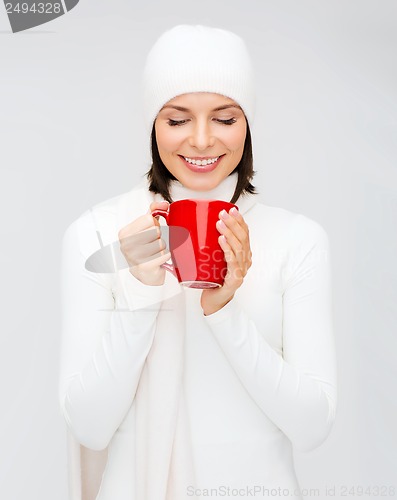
<point>230,121</point>
<point>173,123</point>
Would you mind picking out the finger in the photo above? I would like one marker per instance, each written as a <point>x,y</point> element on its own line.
<point>239,229</point>
<point>234,273</point>
<point>155,249</point>
<point>236,245</point>
<point>149,252</point>
<point>142,238</point>
<point>156,261</point>
<point>242,252</point>
<point>235,214</point>
<point>158,205</point>
<point>142,223</point>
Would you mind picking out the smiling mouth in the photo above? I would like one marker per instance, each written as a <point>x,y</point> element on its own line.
<point>202,165</point>
<point>201,161</point>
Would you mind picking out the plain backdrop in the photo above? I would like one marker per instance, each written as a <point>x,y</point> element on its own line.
<point>324,142</point>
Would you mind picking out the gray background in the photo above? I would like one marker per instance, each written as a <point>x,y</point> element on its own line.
<point>324,144</point>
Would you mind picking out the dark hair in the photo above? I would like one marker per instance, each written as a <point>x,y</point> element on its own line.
<point>160,177</point>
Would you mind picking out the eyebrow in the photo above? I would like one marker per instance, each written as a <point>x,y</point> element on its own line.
<point>219,108</point>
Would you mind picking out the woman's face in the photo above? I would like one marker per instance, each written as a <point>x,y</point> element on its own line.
<point>198,126</point>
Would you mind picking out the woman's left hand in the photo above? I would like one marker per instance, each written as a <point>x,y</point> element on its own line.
<point>234,241</point>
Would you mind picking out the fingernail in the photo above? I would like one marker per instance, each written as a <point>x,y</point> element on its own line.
<point>224,214</point>
<point>234,211</point>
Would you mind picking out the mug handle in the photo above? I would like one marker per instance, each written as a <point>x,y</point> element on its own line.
<point>165,214</point>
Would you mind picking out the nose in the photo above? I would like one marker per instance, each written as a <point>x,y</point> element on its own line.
<point>201,137</point>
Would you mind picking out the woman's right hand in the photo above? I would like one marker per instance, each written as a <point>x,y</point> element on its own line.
<point>143,248</point>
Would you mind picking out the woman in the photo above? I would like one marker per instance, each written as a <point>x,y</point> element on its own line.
<point>197,392</point>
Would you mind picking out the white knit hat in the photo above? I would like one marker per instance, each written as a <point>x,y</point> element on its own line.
<point>197,59</point>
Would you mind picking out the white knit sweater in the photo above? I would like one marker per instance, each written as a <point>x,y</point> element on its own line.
<point>259,376</point>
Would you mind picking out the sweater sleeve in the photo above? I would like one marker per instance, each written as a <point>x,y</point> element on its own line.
<point>103,345</point>
<point>296,390</point>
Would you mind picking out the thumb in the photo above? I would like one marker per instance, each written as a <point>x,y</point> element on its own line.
<point>161,205</point>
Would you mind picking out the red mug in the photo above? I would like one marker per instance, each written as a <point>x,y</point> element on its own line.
<point>197,258</point>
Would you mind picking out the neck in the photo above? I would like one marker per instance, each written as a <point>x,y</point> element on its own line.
<point>223,191</point>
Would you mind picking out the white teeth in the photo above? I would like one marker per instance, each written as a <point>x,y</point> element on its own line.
<point>201,162</point>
